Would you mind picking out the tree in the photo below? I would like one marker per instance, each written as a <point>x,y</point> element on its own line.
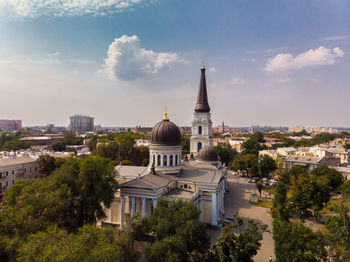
<point>335,177</point>
<point>226,153</point>
<point>185,143</point>
<point>266,165</point>
<point>296,243</point>
<point>46,165</point>
<point>280,201</point>
<point>338,232</point>
<point>252,164</point>
<point>242,247</point>
<point>59,146</point>
<point>259,187</point>
<point>88,244</point>
<point>346,190</point>
<point>280,169</point>
<point>176,224</point>
<point>108,150</point>
<point>97,187</point>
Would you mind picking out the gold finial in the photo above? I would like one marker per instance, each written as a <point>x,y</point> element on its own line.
<point>202,64</point>
<point>165,113</point>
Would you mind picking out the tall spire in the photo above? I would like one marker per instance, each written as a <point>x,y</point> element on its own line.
<point>202,105</point>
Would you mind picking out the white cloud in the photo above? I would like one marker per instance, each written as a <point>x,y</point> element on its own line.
<point>58,8</point>
<point>238,81</point>
<point>319,56</point>
<point>212,69</point>
<point>126,59</point>
<point>334,38</point>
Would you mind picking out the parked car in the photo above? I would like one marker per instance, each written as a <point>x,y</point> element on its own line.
<point>249,180</point>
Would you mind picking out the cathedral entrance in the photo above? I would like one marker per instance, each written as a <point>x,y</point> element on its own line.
<point>199,146</point>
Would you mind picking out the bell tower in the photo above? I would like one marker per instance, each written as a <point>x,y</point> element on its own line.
<point>202,131</point>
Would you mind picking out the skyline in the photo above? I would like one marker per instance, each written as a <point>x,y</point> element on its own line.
<point>121,62</point>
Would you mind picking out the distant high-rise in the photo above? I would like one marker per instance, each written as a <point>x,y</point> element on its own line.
<point>80,123</point>
<point>10,125</point>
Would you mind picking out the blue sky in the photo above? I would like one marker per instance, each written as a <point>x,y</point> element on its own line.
<point>268,62</point>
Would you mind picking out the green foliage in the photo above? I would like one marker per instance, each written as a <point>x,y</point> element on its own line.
<point>71,196</point>
<point>338,231</point>
<point>177,222</point>
<point>59,146</point>
<point>347,146</point>
<point>226,153</point>
<point>88,244</point>
<point>168,249</point>
<point>266,165</point>
<point>123,149</point>
<point>47,164</point>
<point>242,247</point>
<point>346,190</point>
<point>280,201</point>
<point>296,243</point>
<point>185,143</point>
<point>334,177</point>
<point>259,187</point>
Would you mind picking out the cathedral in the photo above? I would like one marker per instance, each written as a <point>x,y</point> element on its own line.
<point>199,177</point>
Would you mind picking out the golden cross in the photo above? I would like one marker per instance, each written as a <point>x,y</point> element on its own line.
<point>165,113</point>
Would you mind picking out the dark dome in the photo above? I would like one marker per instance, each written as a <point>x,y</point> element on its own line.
<point>208,154</point>
<point>166,133</point>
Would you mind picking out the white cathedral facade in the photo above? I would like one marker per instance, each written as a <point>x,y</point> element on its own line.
<point>200,178</point>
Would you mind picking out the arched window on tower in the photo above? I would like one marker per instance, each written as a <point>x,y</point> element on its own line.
<point>176,160</point>
<point>171,161</point>
<point>199,146</point>
<point>165,160</point>
<point>200,130</point>
<point>158,160</point>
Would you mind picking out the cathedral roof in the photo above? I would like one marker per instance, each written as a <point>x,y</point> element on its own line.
<point>208,154</point>
<point>166,133</point>
<point>202,105</point>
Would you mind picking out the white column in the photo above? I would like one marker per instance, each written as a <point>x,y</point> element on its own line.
<point>143,207</point>
<point>179,159</point>
<point>214,209</point>
<point>122,209</point>
<point>168,160</point>
<point>132,206</point>
<point>156,163</point>
<point>201,216</point>
<point>223,198</point>
<point>162,159</point>
<point>155,203</point>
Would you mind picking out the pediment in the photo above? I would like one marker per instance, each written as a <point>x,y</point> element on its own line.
<point>137,184</point>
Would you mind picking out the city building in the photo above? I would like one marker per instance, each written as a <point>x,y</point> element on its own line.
<point>14,168</point>
<point>81,124</point>
<point>200,179</point>
<point>310,162</point>
<point>10,125</point>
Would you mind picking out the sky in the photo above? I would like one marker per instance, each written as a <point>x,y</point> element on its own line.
<point>269,62</point>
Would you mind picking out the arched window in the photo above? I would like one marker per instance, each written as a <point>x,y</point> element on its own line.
<point>159,160</point>
<point>176,160</point>
<point>185,186</point>
<point>165,163</point>
<point>199,146</point>
<point>171,161</point>
<point>200,130</point>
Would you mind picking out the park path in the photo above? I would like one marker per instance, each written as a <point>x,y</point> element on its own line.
<point>237,200</point>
